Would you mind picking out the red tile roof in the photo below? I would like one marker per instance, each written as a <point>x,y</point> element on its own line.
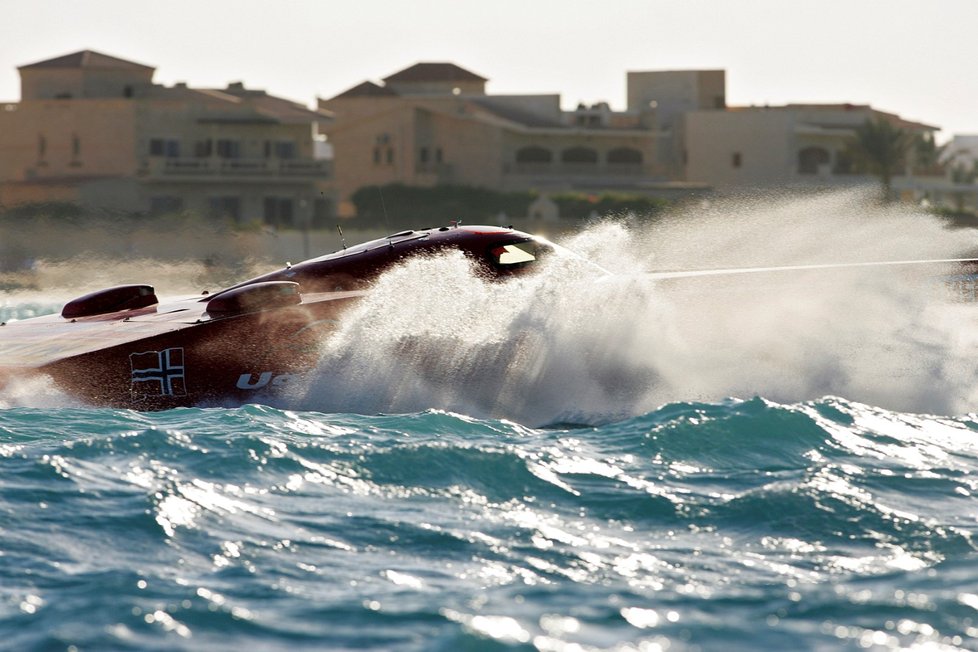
<point>434,72</point>
<point>87,59</point>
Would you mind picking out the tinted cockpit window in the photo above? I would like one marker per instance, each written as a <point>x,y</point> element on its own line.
<point>515,255</point>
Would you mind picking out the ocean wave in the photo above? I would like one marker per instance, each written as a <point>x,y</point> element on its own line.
<point>746,523</point>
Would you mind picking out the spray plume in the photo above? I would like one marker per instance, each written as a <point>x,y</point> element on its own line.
<point>571,345</point>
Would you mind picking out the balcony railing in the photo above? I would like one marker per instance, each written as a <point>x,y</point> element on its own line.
<point>236,167</point>
<point>577,169</point>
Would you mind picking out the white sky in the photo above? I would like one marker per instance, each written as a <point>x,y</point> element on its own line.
<point>912,57</point>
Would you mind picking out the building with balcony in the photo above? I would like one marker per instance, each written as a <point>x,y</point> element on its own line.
<point>793,146</point>
<point>95,130</point>
<point>434,123</point>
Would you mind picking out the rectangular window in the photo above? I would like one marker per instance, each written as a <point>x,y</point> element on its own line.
<point>229,207</point>
<point>438,155</point>
<point>285,211</point>
<point>42,147</point>
<point>736,160</point>
<point>227,148</point>
<point>167,147</point>
<point>423,155</point>
<point>285,149</point>
<point>204,148</point>
<point>376,156</point>
<point>75,151</point>
<point>278,211</point>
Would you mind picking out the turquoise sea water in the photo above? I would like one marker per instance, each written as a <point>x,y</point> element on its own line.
<point>733,524</point>
<point>558,463</point>
<point>737,525</point>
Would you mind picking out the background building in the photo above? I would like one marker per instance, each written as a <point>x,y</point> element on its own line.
<point>95,130</point>
<point>956,187</point>
<point>792,146</point>
<point>433,123</point>
<point>664,97</point>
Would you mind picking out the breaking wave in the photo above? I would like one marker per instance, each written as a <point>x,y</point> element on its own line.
<point>740,525</point>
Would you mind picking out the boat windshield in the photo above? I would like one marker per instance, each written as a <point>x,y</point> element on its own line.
<point>516,255</point>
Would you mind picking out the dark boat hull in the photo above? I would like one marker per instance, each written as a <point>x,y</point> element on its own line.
<point>252,342</point>
<point>232,360</point>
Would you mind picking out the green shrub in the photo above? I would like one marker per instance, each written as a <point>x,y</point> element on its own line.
<point>400,205</point>
<point>397,205</point>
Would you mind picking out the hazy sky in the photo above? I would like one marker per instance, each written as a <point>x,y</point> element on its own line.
<point>912,57</point>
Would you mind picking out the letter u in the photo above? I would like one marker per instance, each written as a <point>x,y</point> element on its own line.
<point>244,380</point>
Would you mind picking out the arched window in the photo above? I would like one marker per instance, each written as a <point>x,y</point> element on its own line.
<point>579,155</point>
<point>625,156</point>
<point>810,158</point>
<point>533,154</point>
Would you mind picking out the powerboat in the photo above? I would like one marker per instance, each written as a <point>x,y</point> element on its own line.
<point>124,347</point>
<point>255,341</point>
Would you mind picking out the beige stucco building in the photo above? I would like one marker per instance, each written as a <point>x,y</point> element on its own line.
<point>95,130</point>
<point>434,123</point>
<point>792,146</point>
<point>666,96</point>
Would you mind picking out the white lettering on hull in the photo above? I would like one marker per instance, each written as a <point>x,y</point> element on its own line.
<point>244,380</point>
<point>264,379</point>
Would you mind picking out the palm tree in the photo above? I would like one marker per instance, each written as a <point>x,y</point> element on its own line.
<point>880,148</point>
<point>928,155</point>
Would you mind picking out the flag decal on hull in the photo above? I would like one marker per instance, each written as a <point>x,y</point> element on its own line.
<point>158,373</point>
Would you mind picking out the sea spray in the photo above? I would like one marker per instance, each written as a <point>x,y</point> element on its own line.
<point>572,344</point>
<point>828,227</point>
<point>734,524</point>
<point>591,342</point>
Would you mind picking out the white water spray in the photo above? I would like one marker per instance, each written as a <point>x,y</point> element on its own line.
<point>569,345</point>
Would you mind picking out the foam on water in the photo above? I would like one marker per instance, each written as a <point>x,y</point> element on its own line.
<point>727,523</point>
<point>739,525</point>
<point>571,345</point>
